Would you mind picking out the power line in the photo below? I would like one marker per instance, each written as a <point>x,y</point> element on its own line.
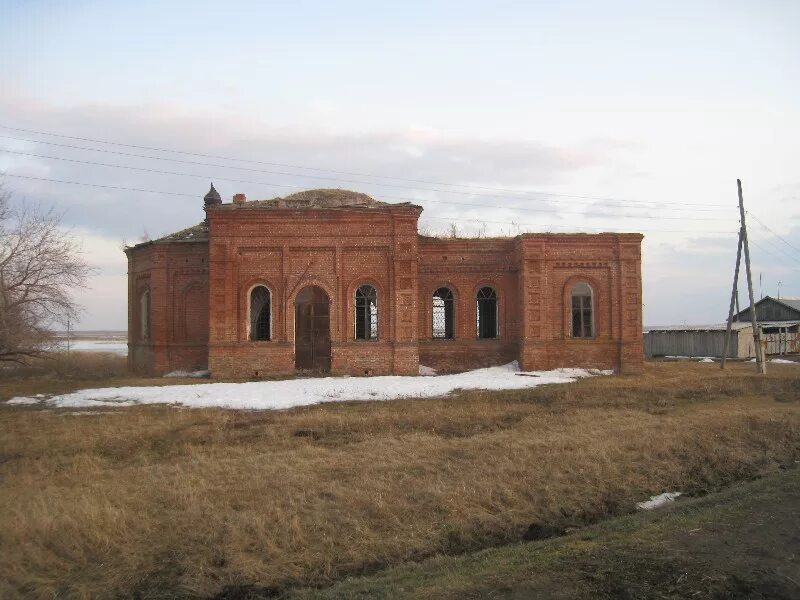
<point>628,204</point>
<point>770,253</point>
<point>97,185</point>
<point>189,162</point>
<point>511,223</point>
<point>600,229</point>
<point>764,225</point>
<point>349,173</point>
<point>780,249</point>
<point>493,206</point>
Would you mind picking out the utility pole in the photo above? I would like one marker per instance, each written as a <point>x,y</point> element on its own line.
<point>734,300</point>
<point>762,366</point>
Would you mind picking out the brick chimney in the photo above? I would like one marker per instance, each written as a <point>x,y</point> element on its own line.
<point>239,198</point>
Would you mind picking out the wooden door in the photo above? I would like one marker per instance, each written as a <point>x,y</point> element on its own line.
<point>312,330</point>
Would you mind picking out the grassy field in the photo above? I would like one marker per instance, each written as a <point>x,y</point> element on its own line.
<point>160,502</point>
<point>742,542</point>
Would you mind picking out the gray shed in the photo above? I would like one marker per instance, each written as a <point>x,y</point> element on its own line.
<point>699,340</point>
<point>773,309</point>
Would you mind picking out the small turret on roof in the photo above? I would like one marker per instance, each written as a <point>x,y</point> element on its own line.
<point>212,198</point>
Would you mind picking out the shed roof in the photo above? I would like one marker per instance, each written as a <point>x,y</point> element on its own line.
<point>736,326</point>
<point>790,302</point>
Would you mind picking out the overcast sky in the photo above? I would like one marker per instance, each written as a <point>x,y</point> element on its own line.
<point>526,116</point>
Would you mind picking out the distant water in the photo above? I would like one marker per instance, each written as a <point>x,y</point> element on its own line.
<point>115,342</point>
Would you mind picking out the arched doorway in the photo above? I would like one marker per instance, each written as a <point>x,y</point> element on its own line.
<point>312,329</point>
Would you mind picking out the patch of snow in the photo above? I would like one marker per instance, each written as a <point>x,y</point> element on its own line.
<point>194,374</point>
<point>600,371</point>
<point>277,395</point>
<point>423,370</point>
<point>707,360</point>
<point>658,501</point>
<point>688,357</point>
<point>27,400</point>
<point>780,361</point>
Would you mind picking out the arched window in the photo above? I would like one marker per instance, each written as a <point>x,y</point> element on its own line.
<point>366,313</point>
<point>443,314</point>
<point>260,314</point>
<point>144,316</point>
<point>487,312</point>
<point>582,317</point>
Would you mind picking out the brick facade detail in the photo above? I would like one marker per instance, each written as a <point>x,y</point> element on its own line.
<point>195,286</point>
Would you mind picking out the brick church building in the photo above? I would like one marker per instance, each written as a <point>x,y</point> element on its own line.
<point>333,280</point>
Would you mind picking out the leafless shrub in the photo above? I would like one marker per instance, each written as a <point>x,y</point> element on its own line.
<point>39,264</point>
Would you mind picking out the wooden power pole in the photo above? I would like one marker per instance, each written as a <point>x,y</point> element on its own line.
<point>734,300</point>
<point>762,366</point>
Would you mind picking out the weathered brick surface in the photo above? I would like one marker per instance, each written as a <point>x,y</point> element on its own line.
<point>176,276</point>
<point>200,294</point>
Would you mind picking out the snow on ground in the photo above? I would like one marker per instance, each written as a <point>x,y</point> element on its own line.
<point>190,374</point>
<point>276,395</point>
<point>658,501</point>
<point>780,361</point>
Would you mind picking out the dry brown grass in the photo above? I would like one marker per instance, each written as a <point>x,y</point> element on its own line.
<point>167,502</point>
<point>61,372</point>
<point>69,365</point>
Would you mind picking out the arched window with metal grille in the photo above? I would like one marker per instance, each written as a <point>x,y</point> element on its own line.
<point>582,313</point>
<point>366,313</point>
<point>443,314</point>
<point>486,312</point>
<point>260,314</point>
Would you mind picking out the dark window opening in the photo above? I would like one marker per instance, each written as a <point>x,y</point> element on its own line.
<point>366,313</point>
<point>487,313</point>
<point>260,325</point>
<point>582,322</point>
<point>443,314</point>
<point>144,316</point>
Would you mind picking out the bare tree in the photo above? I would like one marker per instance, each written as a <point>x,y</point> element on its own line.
<point>39,264</point>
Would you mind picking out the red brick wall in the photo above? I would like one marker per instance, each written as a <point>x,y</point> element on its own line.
<point>336,250</point>
<point>465,266</point>
<point>533,276</point>
<point>176,275</point>
<point>611,265</point>
<point>200,294</point>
